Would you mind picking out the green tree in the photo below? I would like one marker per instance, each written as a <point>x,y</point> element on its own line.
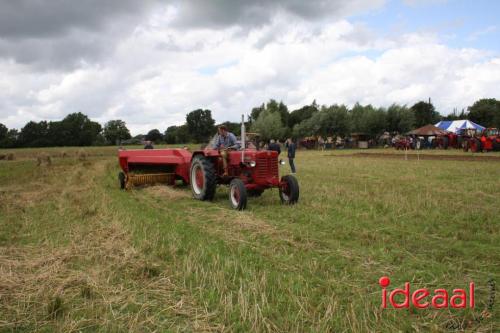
<point>269,125</point>
<point>177,135</point>
<point>116,131</point>
<point>11,140</point>
<point>425,113</point>
<point>485,112</point>
<point>271,106</point>
<point>76,129</point>
<point>3,132</point>
<point>368,120</point>
<point>308,127</point>
<point>254,114</point>
<point>35,134</point>
<point>170,135</point>
<point>4,136</point>
<point>282,109</point>
<point>329,121</point>
<point>154,135</point>
<point>304,113</point>
<point>200,124</point>
<point>399,119</point>
<point>334,120</point>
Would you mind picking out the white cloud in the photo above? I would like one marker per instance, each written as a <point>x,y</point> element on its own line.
<point>424,2</point>
<point>479,33</point>
<point>157,73</point>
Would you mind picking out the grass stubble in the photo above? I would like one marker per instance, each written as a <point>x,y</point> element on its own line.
<point>77,254</point>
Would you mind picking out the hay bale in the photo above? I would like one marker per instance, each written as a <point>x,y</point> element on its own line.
<point>11,157</point>
<point>82,155</point>
<point>43,159</point>
<point>3,157</point>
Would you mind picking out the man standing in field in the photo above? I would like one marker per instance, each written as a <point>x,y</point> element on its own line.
<point>225,142</point>
<point>321,143</point>
<point>290,145</point>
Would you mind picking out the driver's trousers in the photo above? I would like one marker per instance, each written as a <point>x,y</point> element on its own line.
<point>225,156</point>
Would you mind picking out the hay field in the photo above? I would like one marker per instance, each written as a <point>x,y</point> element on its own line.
<point>79,255</point>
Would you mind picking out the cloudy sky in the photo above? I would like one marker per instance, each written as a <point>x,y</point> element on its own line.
<point>150,62</point>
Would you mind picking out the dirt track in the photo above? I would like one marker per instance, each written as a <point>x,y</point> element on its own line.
<point>414,156</point>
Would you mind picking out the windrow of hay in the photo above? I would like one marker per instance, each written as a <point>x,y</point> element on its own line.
<point>95,279</point>
<point>7,157</point>
<point>43,159</point>
<point>82,155</point>
<point>165,192</point>
<point>42,284</point>
<point>221,222</point>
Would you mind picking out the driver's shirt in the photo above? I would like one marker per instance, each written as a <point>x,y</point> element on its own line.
<point>228,141</point>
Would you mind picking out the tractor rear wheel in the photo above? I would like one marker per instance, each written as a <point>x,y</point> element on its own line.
<point>237,194</point>
<point>121,178</point>
<point>202,178</point>
<point>289,190</point>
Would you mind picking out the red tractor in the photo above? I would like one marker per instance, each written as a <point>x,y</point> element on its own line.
<point>487,140</point>
<point>250,171</point>
<point>448,140</point>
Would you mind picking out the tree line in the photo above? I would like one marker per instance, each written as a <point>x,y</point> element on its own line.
<point>270,120</point>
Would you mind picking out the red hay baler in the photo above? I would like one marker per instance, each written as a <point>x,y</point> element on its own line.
<point>250,172</point>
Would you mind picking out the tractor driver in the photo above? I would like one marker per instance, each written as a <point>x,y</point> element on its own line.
<point>225,142</point>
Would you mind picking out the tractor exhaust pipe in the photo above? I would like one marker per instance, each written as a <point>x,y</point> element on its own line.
<point>243,138</point>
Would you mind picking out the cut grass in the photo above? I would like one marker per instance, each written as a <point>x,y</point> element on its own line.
<point>159,260</point>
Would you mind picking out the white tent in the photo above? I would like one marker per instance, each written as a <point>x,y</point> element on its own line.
<point>456,126</point>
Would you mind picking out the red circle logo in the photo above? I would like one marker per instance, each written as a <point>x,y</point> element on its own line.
<point>384,281</point>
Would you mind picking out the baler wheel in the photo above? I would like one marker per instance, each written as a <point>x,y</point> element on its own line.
<point>289,191</point>
<point>237,194</point>
<point>202,178</point>
<point>121,178</point>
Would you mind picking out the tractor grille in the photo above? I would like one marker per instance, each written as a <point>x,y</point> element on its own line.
<point>266,167</point>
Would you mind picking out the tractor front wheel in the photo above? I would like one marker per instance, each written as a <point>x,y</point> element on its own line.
<point>237,194</point>
<point>289,190</point>
<point>202,178</point>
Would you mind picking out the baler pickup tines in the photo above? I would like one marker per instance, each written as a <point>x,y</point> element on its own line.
<point>150,179</point>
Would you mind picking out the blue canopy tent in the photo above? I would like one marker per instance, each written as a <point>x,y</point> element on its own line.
<point>456,126</point>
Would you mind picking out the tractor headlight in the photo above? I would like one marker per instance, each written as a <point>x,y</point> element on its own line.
<point>282,162</point>
<point>252,164</point>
